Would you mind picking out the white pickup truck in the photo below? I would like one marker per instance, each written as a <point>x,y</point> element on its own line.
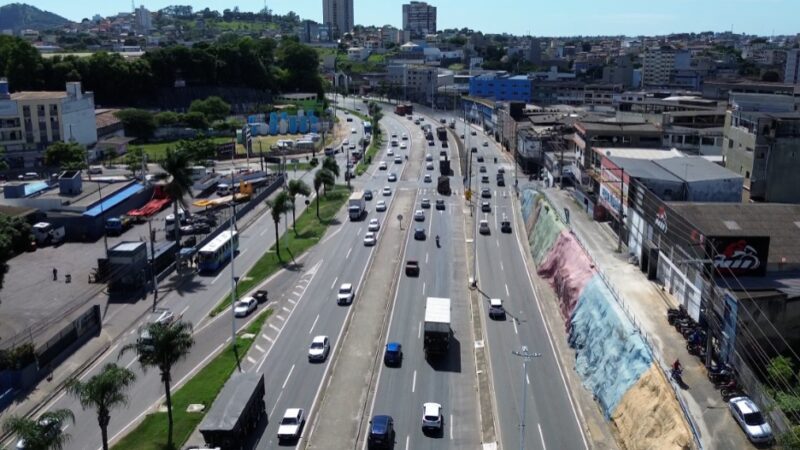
<point>292,424</point>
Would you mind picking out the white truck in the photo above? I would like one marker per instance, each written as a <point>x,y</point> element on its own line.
<point>46,233</point>
<point>436,337</point>
<point>356,205</point>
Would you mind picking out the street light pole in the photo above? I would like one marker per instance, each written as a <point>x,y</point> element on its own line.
<point>526,356</point>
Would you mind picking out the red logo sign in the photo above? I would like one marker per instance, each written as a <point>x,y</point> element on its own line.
<point>738,257</point>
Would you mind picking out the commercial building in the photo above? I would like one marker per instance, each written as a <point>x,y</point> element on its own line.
<point>658,64</point>
<point>792,74</point>
<point>419,19</point>
<point>31,121</point>
<point>501,87</point>
<point>416,82</point>
<point>338,15</point>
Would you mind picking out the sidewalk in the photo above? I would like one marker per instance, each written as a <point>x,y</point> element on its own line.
<point>647,303</point>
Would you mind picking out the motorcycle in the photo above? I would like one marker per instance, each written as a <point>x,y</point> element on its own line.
<point>697,350</point>
<point>437,241</point>
<point>728,394</point>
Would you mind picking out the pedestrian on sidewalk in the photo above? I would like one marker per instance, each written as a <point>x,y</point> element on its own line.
<point>55,274</point>
<point>676,366</point>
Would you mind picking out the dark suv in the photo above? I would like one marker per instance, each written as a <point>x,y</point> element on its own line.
<point>381,432</point>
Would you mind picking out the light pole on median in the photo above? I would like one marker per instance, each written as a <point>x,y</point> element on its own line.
<point>526,356</point>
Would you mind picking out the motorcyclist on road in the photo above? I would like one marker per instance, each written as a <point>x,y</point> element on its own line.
<point>676,366</point>
<point>437,240</point>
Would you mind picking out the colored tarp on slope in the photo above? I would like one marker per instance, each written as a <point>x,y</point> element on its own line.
<point>611,355</point>
<point>529,204</point>
<point>546,231</point>
<point>568,270</point>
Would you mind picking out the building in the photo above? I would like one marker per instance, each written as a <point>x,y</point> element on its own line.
<point>143,20</point>
<point>589,134</point>
<point>338,15</point>
<point>620,71</point>
<point>30,121</point>
<point>792,74</point>
<point>658,64</point>
<point>419,19</point>
<point>501,87</point>
<point>762,147</point>
<point>416,82</point>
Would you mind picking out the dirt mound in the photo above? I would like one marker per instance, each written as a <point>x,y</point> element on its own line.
<point>649,417</point>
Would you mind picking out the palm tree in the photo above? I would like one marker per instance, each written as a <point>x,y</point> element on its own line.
<point>323,178</point>
<point>280,205</point>
<point>43,433</point>
<point>176,164</point>
<point>103,392</point>
<point>331,164</point>
<point>168,344</point>
<point>297,187</point>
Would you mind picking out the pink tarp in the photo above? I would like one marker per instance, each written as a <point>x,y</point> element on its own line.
<point>567,268</point>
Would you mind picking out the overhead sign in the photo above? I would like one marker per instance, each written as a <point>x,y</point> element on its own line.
<point>739,256</point>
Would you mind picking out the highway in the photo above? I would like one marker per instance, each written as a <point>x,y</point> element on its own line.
<point>401,391</point>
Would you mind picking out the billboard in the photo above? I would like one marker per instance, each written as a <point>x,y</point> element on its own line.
<point>739,255</point>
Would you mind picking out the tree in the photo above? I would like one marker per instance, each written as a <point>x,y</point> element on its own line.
<point>67,155</point>
<point>771,76</point>
<point>330,163</point>
<point>103,392</point>
<point>137,123</point>
<point>133,159</point>
<point>168,344</point>
<point>196,120</point>
<point>43,433</point>
<point>278,207</point>
<point>780,372</point>
<point>214,108</point>
<point>197,150</point>
<point>297,187</point>
<point>300,68</point>
<point>176,165</point>
<point>167,118</point>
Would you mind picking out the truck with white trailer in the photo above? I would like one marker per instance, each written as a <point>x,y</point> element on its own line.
<point>356,205</point>
<point>437,331</point>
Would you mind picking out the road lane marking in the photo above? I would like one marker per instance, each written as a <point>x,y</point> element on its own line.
<point>426,258</point>
<point>217,277</point>
<point>334,282</point>
<point>541,436</point>
<point>508,294</point>
<point>259,348</point>
<point>423,288</point>
<point>348,253</point>
<point>279,317</point>
<point>527,378</point>
<point>407,440</point>
<point>313,324</point>
<point>419,331</point>
<point>251,360</point>
<point>286,309</point>
<point>277,400</point>
<point>289,375</point>
<point>414,382</point>
<point>128,366</point>
<point>183,311</point>
<point>514,321</point>
<point>264,232</point>
<point>272,325</point>
<point>451,427</point>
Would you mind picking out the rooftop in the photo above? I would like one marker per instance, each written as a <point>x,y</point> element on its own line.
<point>638,153</point>
<point>619,127</point>
<point>38,95</point>
<point>644,168</point>
<point>696,168</point>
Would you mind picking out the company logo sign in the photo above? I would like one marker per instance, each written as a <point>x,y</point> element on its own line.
<point>741,255</point>
<point>661,219</point>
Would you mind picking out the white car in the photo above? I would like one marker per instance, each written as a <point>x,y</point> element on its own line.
<point>390,152</point>
<point>749,417</point>
<point>428,157</point>
<point>427,178</point>
<point>244,306</point>
<point>405,137</point>
<point>403,145</point>
<point>392,177</point>
<point>387,191</point>
<point>419,215</point>
<point>374,225</point>
<point>292,424</point>
<point>429,166</point>
<point>319,349</point>
<point>346,294</point>
<point>432,419</point>
<point>382,165</point>
<point>369,239</point>
<point>398,160</point>
<point>394,135</point>
<point>353,130</point>
<point>380,206</point>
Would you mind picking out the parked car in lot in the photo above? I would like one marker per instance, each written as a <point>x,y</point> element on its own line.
<point>496,310</point>
<point>749,417</point>
<point>393,355</point>
<point>244,306</point>
<point>319,349</point>
<point>291,425</point>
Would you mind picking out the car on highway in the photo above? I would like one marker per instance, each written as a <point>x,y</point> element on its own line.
<point>473,132</point>
<point>369,239</point>
<point>501,182</point>
<point>353,130</point>
<point>432,419</point>
<point>486,207</point>
<point>393,355</point>
<point>398,160</point>
<point>405,137</point>
<point>419,215</point>
<point>501,170</point>
<point>367,194</point>
<point>244,307</point>
<point>403,146</point>
<point>483,227</point>
<point>419,234</point>
<point>431,143</point>
<point>429,166</point>
<point>485,179</point>
<point>50,430</point>
<point>374,225</point>
<point>485,144</point>
<point>480,158</point>
<point>427,178</point>
<point>442,121</point>
<point>496,310</point>
<point>352,146</point>
<point>486,193</point>
<point>382,165</point>
<point>505,225</point>
<point>387,191</point>
<point>346,294</point>
<point>482,169</point>
<point>439,204</point>
<point>291,425</point>
<point>444,144</point>
<point>749,417</point>
<point>394,142</point>
<point>381,432</point>
<point>349,119</point>
<point>390,152</point>
<point>425,204</point>
<point>345,142</point>
<point>380,206</point>
<point>392,177</point>
<point>261,296</point>
<point>319,349</point>
<point>394,135</point>
<point>428,157</point>
<point>474,149</point>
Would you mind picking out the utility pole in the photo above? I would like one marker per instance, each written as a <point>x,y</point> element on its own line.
<point>526,356</point>
<point>233,290</point>
<point>153,262</point>
<point>621,208</point>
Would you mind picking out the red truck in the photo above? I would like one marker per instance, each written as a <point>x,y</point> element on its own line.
<point>404,110</point>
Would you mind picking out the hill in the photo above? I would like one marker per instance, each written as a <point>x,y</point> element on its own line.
<point>19,16</point>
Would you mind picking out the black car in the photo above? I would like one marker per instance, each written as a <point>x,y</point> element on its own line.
<point>501,181</point>
<point>393,356</point>
<point>482,169</point>
<point>368,195</point>
<point>381,432</point>
<point>480,158</point>
<point>419,234</point>
<point>486,193</point>
<point>485,179</point>
<point>505,226</point>
<point>431,143</point>
<point>260,296</point>
<point>444,144</point>
<point>486,207</point>
<point>440,205</point>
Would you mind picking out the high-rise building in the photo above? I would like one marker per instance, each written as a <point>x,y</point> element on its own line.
<point>792,74</point>
<point>419,18</point>
<point>144,20</point>
<point>338,16</point>
<point>658,65</point>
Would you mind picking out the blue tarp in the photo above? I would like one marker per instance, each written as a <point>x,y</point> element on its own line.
<point>114,200</point>
<point>35,187</point>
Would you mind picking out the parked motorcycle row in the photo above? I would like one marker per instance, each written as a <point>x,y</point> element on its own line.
<point>722,376</point>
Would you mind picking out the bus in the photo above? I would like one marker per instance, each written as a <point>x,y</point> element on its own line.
<point>367,127</point>
<point>219,251</point>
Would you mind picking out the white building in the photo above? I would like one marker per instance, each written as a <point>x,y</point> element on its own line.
<point>658,64</point>
<point>30,121</point>
<point>338,15</point>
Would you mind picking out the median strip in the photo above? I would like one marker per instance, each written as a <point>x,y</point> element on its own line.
<point>309,232</point>
<point>202,388</point>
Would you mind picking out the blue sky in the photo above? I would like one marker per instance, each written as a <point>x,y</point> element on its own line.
<point>537,17</point>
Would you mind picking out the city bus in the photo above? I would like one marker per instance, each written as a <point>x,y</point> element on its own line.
<point>218,252</point>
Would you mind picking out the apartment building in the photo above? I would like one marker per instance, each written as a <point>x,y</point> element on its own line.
<point>338,16</point>
<point>792,74</point>
<point>419,19</point>
<point>418,82</point>
<point>30,121</point>
<point>657,65</point>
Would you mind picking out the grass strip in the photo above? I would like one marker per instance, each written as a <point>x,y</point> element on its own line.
<point>309,231</point>
<point>202,388</point>
<point>372,150</point>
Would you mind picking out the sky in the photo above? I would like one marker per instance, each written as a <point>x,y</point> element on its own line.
<point>520,17</point>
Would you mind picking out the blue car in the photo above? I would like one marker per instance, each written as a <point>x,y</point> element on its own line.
<point>394,354</point>
<point>381,432</point>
